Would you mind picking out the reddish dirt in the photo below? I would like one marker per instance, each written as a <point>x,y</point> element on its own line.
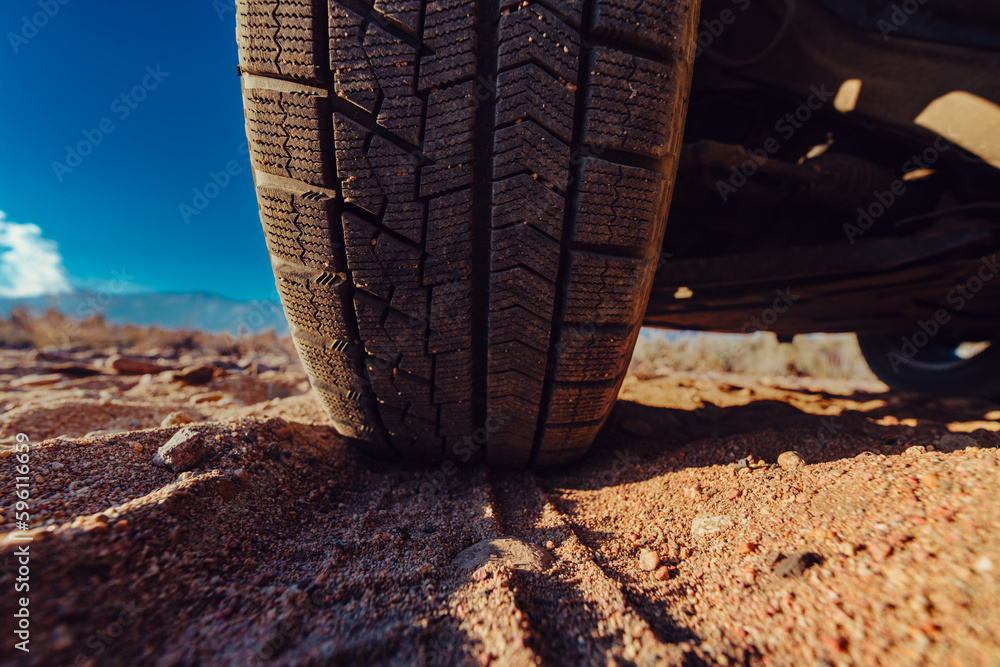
<point>286,545</point>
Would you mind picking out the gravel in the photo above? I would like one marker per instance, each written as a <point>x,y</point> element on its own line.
<point>287,546</point>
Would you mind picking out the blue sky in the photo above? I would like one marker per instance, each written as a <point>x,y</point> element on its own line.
<point>117,210</point>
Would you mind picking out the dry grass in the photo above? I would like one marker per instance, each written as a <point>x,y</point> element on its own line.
<point>816,355</point>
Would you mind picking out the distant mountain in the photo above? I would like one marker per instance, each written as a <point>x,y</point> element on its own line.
<point>204,312</point>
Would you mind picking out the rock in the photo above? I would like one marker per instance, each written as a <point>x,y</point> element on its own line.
<point>133,366</point>
<point>791,460</point>
<point>507,550</point>
<point>56,465</point>
<point>649,560</point>
<point>182,452</point>
<point>847,548</point>
<point>36,380</point>
<point>732,494</point>
<point>75,370</point>
<point>880,550</point>
<point>930,480</point>
<point>176,419</point>
<point>195,374</point>
<point>662,573</point>
<point>983,565</point>
<point>241,474</point>
<point>550,545</point>
<point>796,564</point>
<point>637,427</point>
<point>207,397</point>
<point>137,446</point>
<point>915,450</point>
<point>746,548</point>
<point>706,525</point>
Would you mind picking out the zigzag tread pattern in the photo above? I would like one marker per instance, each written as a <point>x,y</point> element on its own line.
<point>383,284</point>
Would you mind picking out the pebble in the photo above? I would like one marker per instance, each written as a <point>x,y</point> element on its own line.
<point>915,450</point>
<point>706,525</point>
<point>637,427</point>
<point>36,380</point>
<point>796,564</point>
<point>983,565</point>
<point>133,366</point>
<point>241,474</point>
<point>662,573</point>
<point>56,465</point>
<point>550,545</point>
<point>207,397</point>
<point>137,446</point>
<point>930,480</point>
<point>512,551</point>
<point>649,560</point>
<point>791,460</point>
<point>195,374</point>
<point>880,550</point>
<point>182,452</point>
<point>732,494</point>
<point>746,548</point>
<point>847,548</point>
<point>176,419</point>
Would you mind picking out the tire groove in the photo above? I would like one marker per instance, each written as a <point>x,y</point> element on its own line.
<point>584,82</point>
<point>487,63</point>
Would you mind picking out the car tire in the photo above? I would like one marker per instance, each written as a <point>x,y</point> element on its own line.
<point>464,204</point>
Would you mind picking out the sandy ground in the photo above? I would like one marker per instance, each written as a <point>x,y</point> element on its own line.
<point>677,540</point>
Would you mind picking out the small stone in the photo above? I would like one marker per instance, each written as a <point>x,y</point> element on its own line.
<point>637,427</point>
<point>508,550</point>
<point>241,474</point>
<point>662,573</point>
<point>137,446</point>
<point>176,419</point>
<point>746,548</point>
<point>796,564</point>
<point>930,480</point>
<point>195,374</point>
<point>39,479</point>
<point>706,525</point>
<point>983,565</point>
<point>182,452</point>
<point>649,560</point>
<point>101,518</point>
<point>915,450</point>
<point>847,548</point>
<point>207,397</point>
<point>133,366</point>
<point>791,460</point>
<point>732,494</point>
<point>550,545</point>
<point>880,550</point>
<point>35,380</point>
<point>56,465</point>
<point>685,552</point>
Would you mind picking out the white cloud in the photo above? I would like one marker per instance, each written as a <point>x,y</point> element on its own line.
<point>30,265</point>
